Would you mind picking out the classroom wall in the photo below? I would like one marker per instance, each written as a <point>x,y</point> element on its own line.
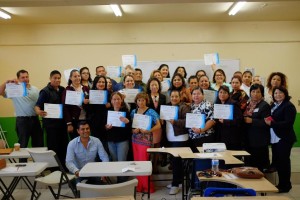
<point>266,46</point>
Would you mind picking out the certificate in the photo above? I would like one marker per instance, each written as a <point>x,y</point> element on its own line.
<point>129,60</point>
<point>130,95</point>
<point>211,58</point>
<point>74,98</point>
<point>113,118</point>
<point>168,112</point>
<point>223,111</point>
<point>53,110</point>
<point>165,85</point>
<point>195,120</point>
<point>142,121</point>
<point>113,71</point>
<point>16,90</point>
<point>210,95</point>
<point>98,97</point>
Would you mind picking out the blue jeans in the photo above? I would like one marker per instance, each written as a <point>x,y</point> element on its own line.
<point>118,150</point>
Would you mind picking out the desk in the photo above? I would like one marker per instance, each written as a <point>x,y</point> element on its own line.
<point>174,151</point>
<point>261,185</point>
<point>108,198</point>
<point>31,169</point>
<point>142,168</point>
<point>244,198</point>
<point>226,156</point>
<point>23,153</point>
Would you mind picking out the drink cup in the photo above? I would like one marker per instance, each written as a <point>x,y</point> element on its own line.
<point>17,147</point>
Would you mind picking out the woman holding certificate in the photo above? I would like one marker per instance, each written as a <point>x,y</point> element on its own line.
<point>178,136</point>
<point>97,109</point>
<point>74,99</point>
<point>228,130</point>
<point>256,130</point>
<point>145,122</point>
<point>178,83</point>
<point>118,129</point>
<point>282,135</point>
<point>129,91</point>
<point>200,105</point>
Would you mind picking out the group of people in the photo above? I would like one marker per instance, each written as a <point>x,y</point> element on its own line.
<point>262,116</point>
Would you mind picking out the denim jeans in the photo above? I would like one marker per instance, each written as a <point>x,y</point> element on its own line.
<point>118,150</point>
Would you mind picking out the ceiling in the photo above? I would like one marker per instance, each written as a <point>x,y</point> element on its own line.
<point>135,11</point>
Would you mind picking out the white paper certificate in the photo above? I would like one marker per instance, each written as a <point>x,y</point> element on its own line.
<point>113,71</point>
<point>223,111</point>
<point>113,118</point>
<point>16,90</point>
<point>210,95</point>
<point>168,112</point>
<point>98,97</point>
<point>53,110</point>
<point>211,58</point>
<point>130,95</point>
<point>195,120</point>
<point>165,85</point>
<point>74,98</point>
<point>129,60</point>
<point>142,121</point>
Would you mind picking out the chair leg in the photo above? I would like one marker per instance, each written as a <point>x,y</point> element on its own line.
<point>33,190</point>
<point>53,193</point>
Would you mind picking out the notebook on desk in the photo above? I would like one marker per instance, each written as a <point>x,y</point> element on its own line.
<point>6,151</point>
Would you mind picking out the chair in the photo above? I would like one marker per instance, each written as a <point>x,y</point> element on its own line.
<point>197,186</point>
<point>119,189</point>
<point>58,178</point>
<point>221,192</point>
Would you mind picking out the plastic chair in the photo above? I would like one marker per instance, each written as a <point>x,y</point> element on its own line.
<point>221,192</point>
<point>58,178</point>
<point>119,189</point>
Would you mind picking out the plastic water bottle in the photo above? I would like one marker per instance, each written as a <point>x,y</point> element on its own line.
<point>215,165</point>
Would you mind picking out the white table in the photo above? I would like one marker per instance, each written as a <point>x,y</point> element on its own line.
<point>142,168</point>
<point>23,153</point>
<point>96,169</point>
<point>11,170</point>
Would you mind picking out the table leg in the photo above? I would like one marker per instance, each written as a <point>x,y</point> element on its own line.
<point>6,193</point>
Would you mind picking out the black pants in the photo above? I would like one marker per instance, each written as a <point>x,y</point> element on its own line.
<point>57,140</point>
<point>282,152</point>
<point>177,164</point>
<point>259,157</point>
<point>27,127</point>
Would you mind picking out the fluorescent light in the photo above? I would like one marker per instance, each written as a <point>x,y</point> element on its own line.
<point>4,15</point>
<point>236,7</point>
<point>116,9</point>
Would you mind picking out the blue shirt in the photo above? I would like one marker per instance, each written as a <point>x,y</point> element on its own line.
<point>78,155</point>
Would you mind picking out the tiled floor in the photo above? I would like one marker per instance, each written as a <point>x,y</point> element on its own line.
<point>162,193</point>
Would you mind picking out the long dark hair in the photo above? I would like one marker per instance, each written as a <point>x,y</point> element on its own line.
<point>71,73</point>
<point>165,65</point>
<point>81,70</point>
<point>149,82</point>
<point>96,79</point>
<point>182,79</point>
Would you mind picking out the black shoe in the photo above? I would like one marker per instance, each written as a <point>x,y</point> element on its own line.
<point>270,170</point>
<point>284,189</point>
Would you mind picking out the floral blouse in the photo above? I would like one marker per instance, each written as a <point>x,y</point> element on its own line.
<point>207,108</point>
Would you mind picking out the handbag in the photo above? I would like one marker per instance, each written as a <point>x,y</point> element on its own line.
<point>247,172</point>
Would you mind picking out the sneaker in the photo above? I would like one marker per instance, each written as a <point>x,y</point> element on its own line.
<point>170,186</point>
<point>174,190</point>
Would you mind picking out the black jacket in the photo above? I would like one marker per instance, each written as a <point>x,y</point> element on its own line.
<point>283,121</point>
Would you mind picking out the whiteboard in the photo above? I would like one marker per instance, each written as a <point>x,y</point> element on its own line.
<point>191,66</point>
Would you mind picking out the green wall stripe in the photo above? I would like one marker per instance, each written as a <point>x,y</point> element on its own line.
<point>8,125</point>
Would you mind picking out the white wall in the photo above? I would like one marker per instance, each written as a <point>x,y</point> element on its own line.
<point>267,46</point>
